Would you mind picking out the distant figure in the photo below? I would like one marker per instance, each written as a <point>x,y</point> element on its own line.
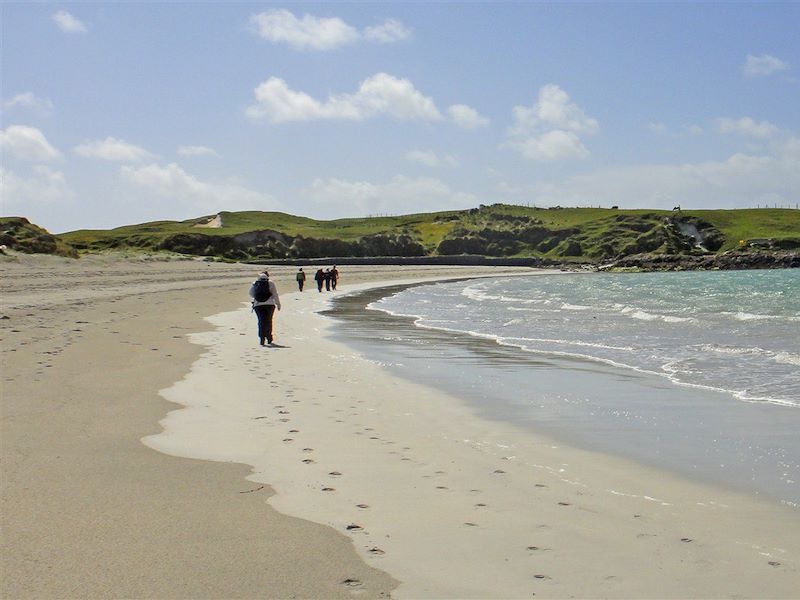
<point>327,277</point>
<point>265,301</point>
<point>301,279</point>
<point>676,207</point>
<point>319,277</point>
<point>334,277</point>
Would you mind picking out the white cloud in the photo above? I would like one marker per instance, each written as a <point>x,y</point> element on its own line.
<point>175,184</point>
<point>764,64</point>
<point>400,195</point>
<point>281,26</point>
<point>747,126</point>
<point>552,145</point>
<point>429,158</point>
<point>658,128</point>
<point>44,186</point>
<point>742,180</point>
<point>112,149</point>
<point>197,151</point>
<point>27,143</point>
<point>550,129</point>
<point>554,110</point>
<point>388,32</point>
<point>466,116</point>
<point>379,94</point>
<point>68,23</point>
<point>30,101</point>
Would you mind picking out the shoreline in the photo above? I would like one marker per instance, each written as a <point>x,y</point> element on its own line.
<point>513,514</point>
<point>368,330</point>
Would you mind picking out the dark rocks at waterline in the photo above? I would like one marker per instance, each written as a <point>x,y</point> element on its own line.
<point>727,261</point>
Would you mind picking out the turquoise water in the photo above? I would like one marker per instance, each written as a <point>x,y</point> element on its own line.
<point>737,332</point>
<point>697,373</point>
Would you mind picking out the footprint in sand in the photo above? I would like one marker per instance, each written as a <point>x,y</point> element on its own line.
<point>288,440</point>
<point>687,540</point>
<point>334,473</point>
<point>308,461</point>
<point>354,527</point>
<point>308,449</point>
<point>480,505</point>
<point>362,506</point>
<point>499,471</point>
<point>468,524</point>
<point>540,485</point>
<point>441,487</point>
<point>541,577</point>
<point>328,489</point>
<point>564,504</point>
<point>352,582</point>
<point>376,551</point>
<point>294,431</point>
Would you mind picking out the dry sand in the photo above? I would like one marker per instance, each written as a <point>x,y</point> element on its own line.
<point>394,484</point>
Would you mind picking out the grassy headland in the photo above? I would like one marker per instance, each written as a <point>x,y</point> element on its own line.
<point>562,234</point>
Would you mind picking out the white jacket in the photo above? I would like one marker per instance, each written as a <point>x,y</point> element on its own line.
<point>273,299</point>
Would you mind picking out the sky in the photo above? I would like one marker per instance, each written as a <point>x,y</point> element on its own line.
<point>120,113</point>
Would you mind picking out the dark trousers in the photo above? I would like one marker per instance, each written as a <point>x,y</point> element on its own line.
<point>319,285</point>
<point>264,313</point>
<point>300,283</point>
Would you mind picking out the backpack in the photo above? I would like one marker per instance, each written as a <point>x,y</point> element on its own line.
<point>261,291</point>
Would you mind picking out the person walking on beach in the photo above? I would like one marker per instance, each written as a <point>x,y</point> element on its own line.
<point>265,301</point>
<point>301,279</point>
<point>334,277</point>
<point>319,277</point>
<point>327,277</point>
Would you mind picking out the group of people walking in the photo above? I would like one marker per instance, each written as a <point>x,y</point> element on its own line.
<point>266,301</point>
<point>327,278</point>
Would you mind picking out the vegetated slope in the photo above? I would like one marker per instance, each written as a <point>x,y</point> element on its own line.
<point>579,234</point>
<point>17,233</point>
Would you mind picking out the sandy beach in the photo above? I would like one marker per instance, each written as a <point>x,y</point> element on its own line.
<point>151,449</point>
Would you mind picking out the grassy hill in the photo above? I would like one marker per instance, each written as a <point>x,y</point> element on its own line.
<point>17,233</point>
<point>581,234</point>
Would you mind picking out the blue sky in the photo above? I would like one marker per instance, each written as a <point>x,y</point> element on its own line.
<point>119,113</point>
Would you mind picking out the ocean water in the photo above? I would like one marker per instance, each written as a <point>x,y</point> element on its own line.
<point>736,332</point>
<point>697,373</point>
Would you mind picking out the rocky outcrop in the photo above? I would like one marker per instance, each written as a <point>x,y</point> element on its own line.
<point>727,260</point>
<point>17,233</point>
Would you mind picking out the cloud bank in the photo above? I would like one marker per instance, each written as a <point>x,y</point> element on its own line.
<point>401,195</point>
<point>173,183</point>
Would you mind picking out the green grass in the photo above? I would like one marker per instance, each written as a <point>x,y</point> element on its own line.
<point>598,231</point>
